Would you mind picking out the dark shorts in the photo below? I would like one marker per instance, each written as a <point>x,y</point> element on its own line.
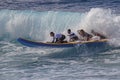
<point>75,38</point>
<point>61,40</point>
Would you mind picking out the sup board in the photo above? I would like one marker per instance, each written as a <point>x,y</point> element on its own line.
<point>31,43</point>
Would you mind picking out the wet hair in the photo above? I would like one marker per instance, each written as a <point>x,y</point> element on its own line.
<point>51,32</point>
<point>82,30</point>
<point>69,30</point>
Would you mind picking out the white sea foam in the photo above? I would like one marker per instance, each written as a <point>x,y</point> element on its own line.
<point>37,25</point>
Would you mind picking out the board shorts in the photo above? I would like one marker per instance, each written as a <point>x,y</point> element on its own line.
<point>62,38</point>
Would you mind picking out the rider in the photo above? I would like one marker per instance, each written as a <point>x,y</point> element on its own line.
<point>98,34</point>
<point>72,36</point>
<point>85,36</point>
<point>58,38</point>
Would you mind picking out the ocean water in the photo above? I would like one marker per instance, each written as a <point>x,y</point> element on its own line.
<point>34,19</point>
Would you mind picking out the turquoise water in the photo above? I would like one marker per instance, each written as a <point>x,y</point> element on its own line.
<point>35,19</point>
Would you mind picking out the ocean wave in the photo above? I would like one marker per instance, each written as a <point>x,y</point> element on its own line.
<point>37,25</point>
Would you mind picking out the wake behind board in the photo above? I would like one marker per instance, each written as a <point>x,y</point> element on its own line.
<point>30,43</point>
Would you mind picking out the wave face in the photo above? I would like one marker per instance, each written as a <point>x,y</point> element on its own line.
<point>34,19</point>
<point>18,62</point>
<point>37,25</point>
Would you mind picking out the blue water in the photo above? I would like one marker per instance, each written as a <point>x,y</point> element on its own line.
<point>34,19</point>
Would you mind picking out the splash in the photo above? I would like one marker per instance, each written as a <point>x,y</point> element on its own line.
<point>37,25</point>
<point>104,21</point>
